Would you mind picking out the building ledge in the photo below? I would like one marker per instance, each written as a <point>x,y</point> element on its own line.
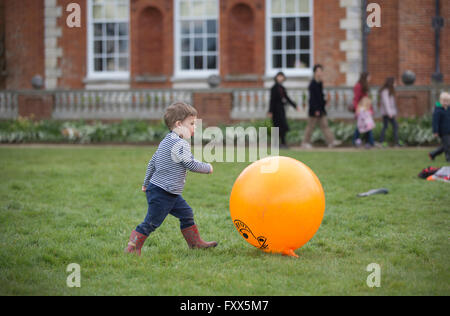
<point>150,79</point>
<point>242,77</point>
<point>106,83</point>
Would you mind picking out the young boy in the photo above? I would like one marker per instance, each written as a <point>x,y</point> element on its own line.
<point>165,179</point>
<point>441,125</point>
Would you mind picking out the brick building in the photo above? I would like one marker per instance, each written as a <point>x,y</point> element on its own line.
<point>180,43</point>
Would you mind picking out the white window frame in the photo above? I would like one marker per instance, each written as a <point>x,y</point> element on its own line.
<point>192,74</point>
<point>104,75</point>
<point>298,72</point>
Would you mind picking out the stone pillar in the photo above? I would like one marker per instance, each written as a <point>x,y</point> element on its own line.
<point>213,107</point>
<point>352,46</point>
<point>414,102</point>
<point>52,52</point>
<point>35,105</point>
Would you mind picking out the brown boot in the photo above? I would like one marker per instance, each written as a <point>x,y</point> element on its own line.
<point>136,242</point>
<point>193,238</point>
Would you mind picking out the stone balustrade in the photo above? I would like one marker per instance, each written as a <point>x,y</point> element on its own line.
<point>8,105</point>
<point>115,105</point>
<point>224,105</point>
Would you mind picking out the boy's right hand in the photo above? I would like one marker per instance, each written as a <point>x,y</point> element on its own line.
<point>144,189</point>
<point>212,169</point>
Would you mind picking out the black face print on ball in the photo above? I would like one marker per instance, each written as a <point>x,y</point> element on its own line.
<point>246,232</point>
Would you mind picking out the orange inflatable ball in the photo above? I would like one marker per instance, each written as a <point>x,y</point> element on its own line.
<point>277,204</point>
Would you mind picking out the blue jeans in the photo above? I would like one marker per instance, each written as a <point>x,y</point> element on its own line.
<point>369,134</point>
<point>393,121</point>
<point>160,204</point>
<point>356,135</point>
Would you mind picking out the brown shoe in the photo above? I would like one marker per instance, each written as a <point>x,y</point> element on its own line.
<point>136,242</point>
<point>193,238</point>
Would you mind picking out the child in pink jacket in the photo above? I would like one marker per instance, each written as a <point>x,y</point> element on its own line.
<point>388,109</point>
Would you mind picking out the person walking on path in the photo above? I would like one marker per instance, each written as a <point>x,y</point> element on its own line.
<point>278,99</point>
<point>360,91</point>
<point>389,109</point>
<point>365,122</point>
<point>317,111</point>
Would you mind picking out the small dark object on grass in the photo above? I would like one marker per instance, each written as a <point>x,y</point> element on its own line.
<point>425,173</point>
<point>373,192</point>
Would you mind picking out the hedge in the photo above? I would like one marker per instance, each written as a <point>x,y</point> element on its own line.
<point>412,132</point>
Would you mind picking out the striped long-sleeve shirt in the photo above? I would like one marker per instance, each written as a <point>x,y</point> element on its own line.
<point>168,167</point>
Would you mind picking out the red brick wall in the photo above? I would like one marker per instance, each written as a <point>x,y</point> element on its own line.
<point>416,38</point>
<point>406,41</point>
<point>413,103</point>
<point>445,41</point>
<point>2,46</point>
<point>74,45</point>
<point>151,45</point>
<point>383,46</point>
<point>36,106</point>
<point>24,42</point>
<point>327,36</point>
<point>242,40</point>
<point>213,108</point>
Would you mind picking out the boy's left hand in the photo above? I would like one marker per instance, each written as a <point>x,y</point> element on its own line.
<point>144,189</point>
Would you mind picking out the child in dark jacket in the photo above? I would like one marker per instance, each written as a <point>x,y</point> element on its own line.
<point>441,126</point>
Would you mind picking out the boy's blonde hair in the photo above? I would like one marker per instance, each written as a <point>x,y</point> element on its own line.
<point>442,97</point>
<point>447,99</point>
<point>178,111</point>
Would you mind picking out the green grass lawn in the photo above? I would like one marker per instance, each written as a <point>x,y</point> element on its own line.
<point>79,204</point>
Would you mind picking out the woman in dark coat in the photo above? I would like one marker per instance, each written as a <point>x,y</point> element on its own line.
<point>278,99</point>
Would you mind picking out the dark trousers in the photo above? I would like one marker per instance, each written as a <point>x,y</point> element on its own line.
<point>446,143</point>
<point>161,204</point>
<point>280,121</point>
<point>437,152</point>
<point>445,148</point>
<point>283,133</point>
<point>386,121</point>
